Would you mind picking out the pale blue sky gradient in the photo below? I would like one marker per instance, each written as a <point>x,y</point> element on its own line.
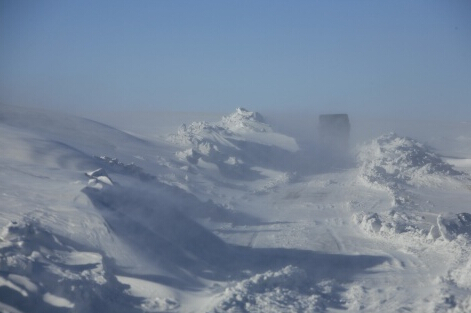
<point>378,58</point>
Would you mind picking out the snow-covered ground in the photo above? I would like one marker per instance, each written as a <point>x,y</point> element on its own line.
<point>231,215</point>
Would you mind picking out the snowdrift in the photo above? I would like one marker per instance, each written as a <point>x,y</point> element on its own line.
<point>404,167</point>
<point>235,145</point>
<point>393,161</point>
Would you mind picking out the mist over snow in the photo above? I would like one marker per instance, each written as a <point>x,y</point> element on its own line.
<point>243,212</point>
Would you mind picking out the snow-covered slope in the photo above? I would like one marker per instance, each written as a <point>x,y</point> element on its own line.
<point>226,216</point>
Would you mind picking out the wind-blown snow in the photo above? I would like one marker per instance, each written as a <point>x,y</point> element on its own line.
<point>226,216</point>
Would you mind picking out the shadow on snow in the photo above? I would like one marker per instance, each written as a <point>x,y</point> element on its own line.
<point>161,232</point>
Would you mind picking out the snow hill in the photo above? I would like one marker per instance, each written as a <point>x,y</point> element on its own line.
<point>234,145</point>
<point>394,161</point>
<point>228,216</point>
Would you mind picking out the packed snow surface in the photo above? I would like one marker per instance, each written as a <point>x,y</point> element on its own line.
<point>229,216</point>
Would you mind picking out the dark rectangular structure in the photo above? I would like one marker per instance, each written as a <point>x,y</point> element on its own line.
<point>334,131</point>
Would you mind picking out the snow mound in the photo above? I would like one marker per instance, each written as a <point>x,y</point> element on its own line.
<point>392,161</point>
<point>234,145</point>
<point>405,168</point>
<point>33,261</point>
<point>448,226</point>
<point>243,119</point>
<point>392,223</point>
<point>286,290</point>
<point>240,125</point>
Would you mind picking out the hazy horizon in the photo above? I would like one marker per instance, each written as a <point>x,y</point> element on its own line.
<point>374,59</point>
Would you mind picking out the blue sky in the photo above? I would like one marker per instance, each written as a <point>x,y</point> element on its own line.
<point>378,58</point>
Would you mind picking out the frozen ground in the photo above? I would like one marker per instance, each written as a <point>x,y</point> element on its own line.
<point>231,215</point>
